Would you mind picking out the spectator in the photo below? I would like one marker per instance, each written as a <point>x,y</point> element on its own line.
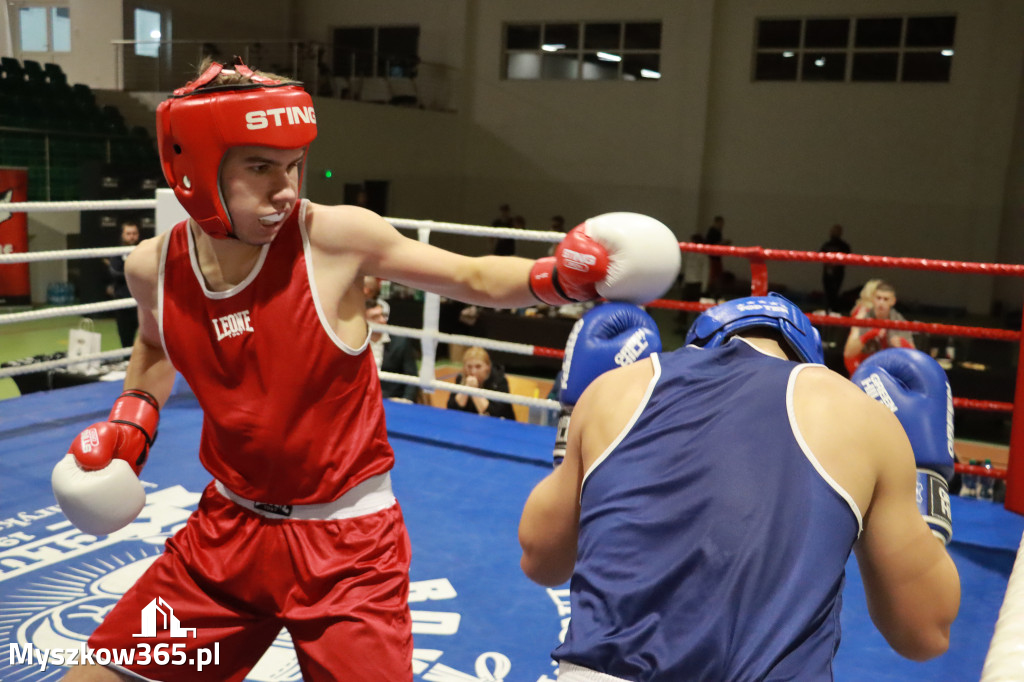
<point>832,275</point>
<point>557,225</point>
<point>865,300</point>
<point>397,355</point>
<point>127,318</point>
<point>694,276</point>
<point>362,199</point>
<point>504,246</point>
<point>695,272</point>
<point>862,342</point>
<point>371,289</point>
<point>477,372</point>
<point>716,279</point>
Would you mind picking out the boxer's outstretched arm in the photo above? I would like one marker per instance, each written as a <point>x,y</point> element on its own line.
<point>493,281</point>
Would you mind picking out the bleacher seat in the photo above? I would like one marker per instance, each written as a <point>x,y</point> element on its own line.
<point>54,74</point>
<point>34,71</point>
<point>13,67</point>
<point>61,125</point>
<point>114,121</point>
<point>83,93</point>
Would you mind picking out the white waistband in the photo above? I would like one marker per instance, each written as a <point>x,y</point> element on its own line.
<point>570,672</point>
<point>370,496</point>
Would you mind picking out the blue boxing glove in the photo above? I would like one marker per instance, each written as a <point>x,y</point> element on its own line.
<point>915,388</point>
<point>608,336</point>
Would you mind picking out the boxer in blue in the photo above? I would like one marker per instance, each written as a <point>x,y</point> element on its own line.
<point>710,497</point>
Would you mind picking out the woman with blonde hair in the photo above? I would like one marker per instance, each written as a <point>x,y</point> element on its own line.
<point>866,299</point>
<point>477,372</point>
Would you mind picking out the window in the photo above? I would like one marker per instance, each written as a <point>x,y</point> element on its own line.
<point>44,29</point>
<point>147,33</point>
<point>863,49</point>
<point>376,51</point>
<point>583,51</point>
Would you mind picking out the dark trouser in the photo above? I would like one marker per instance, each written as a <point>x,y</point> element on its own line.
<point>127,325</point>
<point>832,282</point>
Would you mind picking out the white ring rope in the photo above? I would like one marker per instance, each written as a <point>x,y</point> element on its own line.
<point>67,254</point>
<point>83,310</point>
<point>62,206</point>
<point>477,230</point>
<point>1005,659</point>
<point>47,365</point>
<point>489,344</point>
<point>438,385</point>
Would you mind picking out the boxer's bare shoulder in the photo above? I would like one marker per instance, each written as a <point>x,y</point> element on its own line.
<point>608,405</point>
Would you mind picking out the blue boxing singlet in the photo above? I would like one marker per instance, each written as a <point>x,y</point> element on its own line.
<point>712,544</point>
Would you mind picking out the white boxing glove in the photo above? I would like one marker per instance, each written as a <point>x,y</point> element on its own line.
<point>101,501</point>
<point>627,257</point>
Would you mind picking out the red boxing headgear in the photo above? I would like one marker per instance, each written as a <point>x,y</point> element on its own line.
<point>196,126</point>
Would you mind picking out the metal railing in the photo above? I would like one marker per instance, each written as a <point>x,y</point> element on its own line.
<point>325,71</point>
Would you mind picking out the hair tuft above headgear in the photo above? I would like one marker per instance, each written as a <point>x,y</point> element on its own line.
<point>199,122</point>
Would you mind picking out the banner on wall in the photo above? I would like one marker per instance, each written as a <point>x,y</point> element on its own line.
<point>15,287</point>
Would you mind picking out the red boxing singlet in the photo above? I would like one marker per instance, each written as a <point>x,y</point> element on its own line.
<point>291,415</point>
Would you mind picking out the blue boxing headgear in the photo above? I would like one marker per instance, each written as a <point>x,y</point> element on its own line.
<point>773,311</point>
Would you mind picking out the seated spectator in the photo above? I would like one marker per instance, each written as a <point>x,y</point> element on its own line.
<point>477,372</point>
<point>397,355</point>
<point>863,341</point>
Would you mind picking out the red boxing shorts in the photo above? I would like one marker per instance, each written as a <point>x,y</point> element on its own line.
<point>232,578</point>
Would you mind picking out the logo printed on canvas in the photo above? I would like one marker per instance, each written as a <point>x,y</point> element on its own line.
<point>82,576</point>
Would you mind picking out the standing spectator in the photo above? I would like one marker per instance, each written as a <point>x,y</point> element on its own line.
<point>715,273</point>
<point>127,318</point>
<point>695,272</point>
<point>862,342</point>
<point>694,278</point>
<point>504,246</point>
<point>477,372</point>
<point>832,275</point>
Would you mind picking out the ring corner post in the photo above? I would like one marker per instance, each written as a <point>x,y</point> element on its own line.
<point>1015,464</point>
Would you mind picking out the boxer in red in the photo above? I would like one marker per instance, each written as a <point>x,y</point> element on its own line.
<point>257,301</point>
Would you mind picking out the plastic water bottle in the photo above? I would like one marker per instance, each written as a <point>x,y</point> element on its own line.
<point>986,483</point>
<point>969,482</point>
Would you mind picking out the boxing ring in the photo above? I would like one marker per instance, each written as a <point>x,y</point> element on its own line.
<point>461,480</point>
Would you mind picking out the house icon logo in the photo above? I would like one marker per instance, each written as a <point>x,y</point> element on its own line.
<point>150,613</point>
